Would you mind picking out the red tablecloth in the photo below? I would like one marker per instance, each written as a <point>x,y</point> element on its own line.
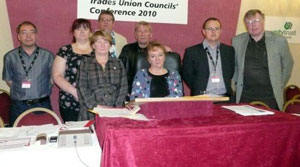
<point>223,139</point>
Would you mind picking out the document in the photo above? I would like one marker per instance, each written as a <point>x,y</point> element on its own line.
<point>127,112</point>
<point>247,110</point>
<point>24,136</point>
<point>75,125</point>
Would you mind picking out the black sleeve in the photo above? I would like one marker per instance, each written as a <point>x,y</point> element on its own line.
<point>187,68</point>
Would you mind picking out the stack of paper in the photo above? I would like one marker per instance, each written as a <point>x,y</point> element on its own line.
<point>120,112</point>
<point>247,110</point>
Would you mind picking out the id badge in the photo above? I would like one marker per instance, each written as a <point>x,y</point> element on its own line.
<point>26,84</point>
<point>215,79</point>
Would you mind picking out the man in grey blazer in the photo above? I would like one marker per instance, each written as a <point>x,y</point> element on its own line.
<point>263,63</point>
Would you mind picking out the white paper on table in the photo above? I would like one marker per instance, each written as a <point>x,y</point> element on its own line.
<point>14,142</point>
<point>296,114</point>
<point>27,131</point>
<point>25,135</point>
<point>75,124</point>
<point>11,132</point>
<point>140,117</point>
<point>35,130</point>
<point>120,112</point>
<point>247,110</point>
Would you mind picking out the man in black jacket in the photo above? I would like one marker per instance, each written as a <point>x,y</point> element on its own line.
<point>143,35</point>
<point>208,67</point>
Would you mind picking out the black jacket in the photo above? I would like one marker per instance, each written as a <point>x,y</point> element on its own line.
<point>129,56</point>
<point>196,68</point>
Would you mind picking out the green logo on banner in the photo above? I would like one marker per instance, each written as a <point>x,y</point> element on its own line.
<point>288,25</point>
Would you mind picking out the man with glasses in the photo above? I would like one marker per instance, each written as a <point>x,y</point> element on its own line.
<point>27,71</point>
<point>106,21</point>
<point>263,63</point>
<point>208,67</point>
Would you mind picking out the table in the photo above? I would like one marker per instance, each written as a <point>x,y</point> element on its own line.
<point>48,155</point>
<point>221,139</point>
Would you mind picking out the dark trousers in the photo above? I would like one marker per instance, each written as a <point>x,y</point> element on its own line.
<point>68,114</point>
<point>18,107</point>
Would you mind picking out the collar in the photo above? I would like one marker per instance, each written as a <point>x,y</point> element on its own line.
<point>94,57</point>
<point>24,53</point>
<point>206,45</point>
<point>262,39</point>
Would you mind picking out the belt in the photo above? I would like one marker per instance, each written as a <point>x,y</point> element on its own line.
<point>35,101</point>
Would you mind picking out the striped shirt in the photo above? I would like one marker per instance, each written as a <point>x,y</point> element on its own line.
<point>39,75</point>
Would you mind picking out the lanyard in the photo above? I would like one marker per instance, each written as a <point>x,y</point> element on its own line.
<point>212,60</point>
<point>113,51</point>
<point>33,61</point>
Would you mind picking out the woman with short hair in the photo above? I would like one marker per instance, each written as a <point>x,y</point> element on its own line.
<point>156,81</point>
<point>102,79</point>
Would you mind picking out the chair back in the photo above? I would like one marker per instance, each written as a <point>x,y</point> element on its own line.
<point>296,97</point>
<point>290,91</point>
<point>1,123</point>
<point>292,106</point>
<point>4,106</point>
<point>172,62</point>
<point>259,103</point>
<point>37,116</point>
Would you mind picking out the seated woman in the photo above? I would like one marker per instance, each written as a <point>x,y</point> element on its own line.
<point>156,81</point>
<point>66,65</point>
<point>101,78</point>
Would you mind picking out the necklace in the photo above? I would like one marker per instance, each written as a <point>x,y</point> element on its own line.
<point>158,72</point>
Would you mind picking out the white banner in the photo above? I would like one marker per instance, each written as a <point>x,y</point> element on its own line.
<point>288,27</point>
<point>155,11</point>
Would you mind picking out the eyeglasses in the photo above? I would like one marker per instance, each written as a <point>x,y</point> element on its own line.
<point>28,32</point>
<point>253,21</point>
<point>105,20</point>
<point>213,29</point>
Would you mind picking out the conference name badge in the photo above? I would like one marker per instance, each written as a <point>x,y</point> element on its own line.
<point>215,79</point>
<point>26,84</point>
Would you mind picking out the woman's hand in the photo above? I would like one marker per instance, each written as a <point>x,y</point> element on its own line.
<point>74,93</point>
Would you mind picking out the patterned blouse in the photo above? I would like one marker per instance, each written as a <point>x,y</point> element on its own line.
<point>142,82</point>
<point>66,100</point>
<point>100,87</point>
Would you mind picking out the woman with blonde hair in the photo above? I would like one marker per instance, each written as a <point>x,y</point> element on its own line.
<point>156,81</point>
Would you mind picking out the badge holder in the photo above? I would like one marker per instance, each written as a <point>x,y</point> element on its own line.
<point>26,84</point>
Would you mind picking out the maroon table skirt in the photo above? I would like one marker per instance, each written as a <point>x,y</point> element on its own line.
<point>220,139</point>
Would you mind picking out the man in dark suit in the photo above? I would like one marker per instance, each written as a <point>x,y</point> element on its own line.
<point>208,67</point>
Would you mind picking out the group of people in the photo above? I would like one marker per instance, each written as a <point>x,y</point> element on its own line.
<point>99,68</point>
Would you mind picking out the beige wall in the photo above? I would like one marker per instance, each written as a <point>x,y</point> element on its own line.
<point>6,42</point>
<point>288,8</point>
